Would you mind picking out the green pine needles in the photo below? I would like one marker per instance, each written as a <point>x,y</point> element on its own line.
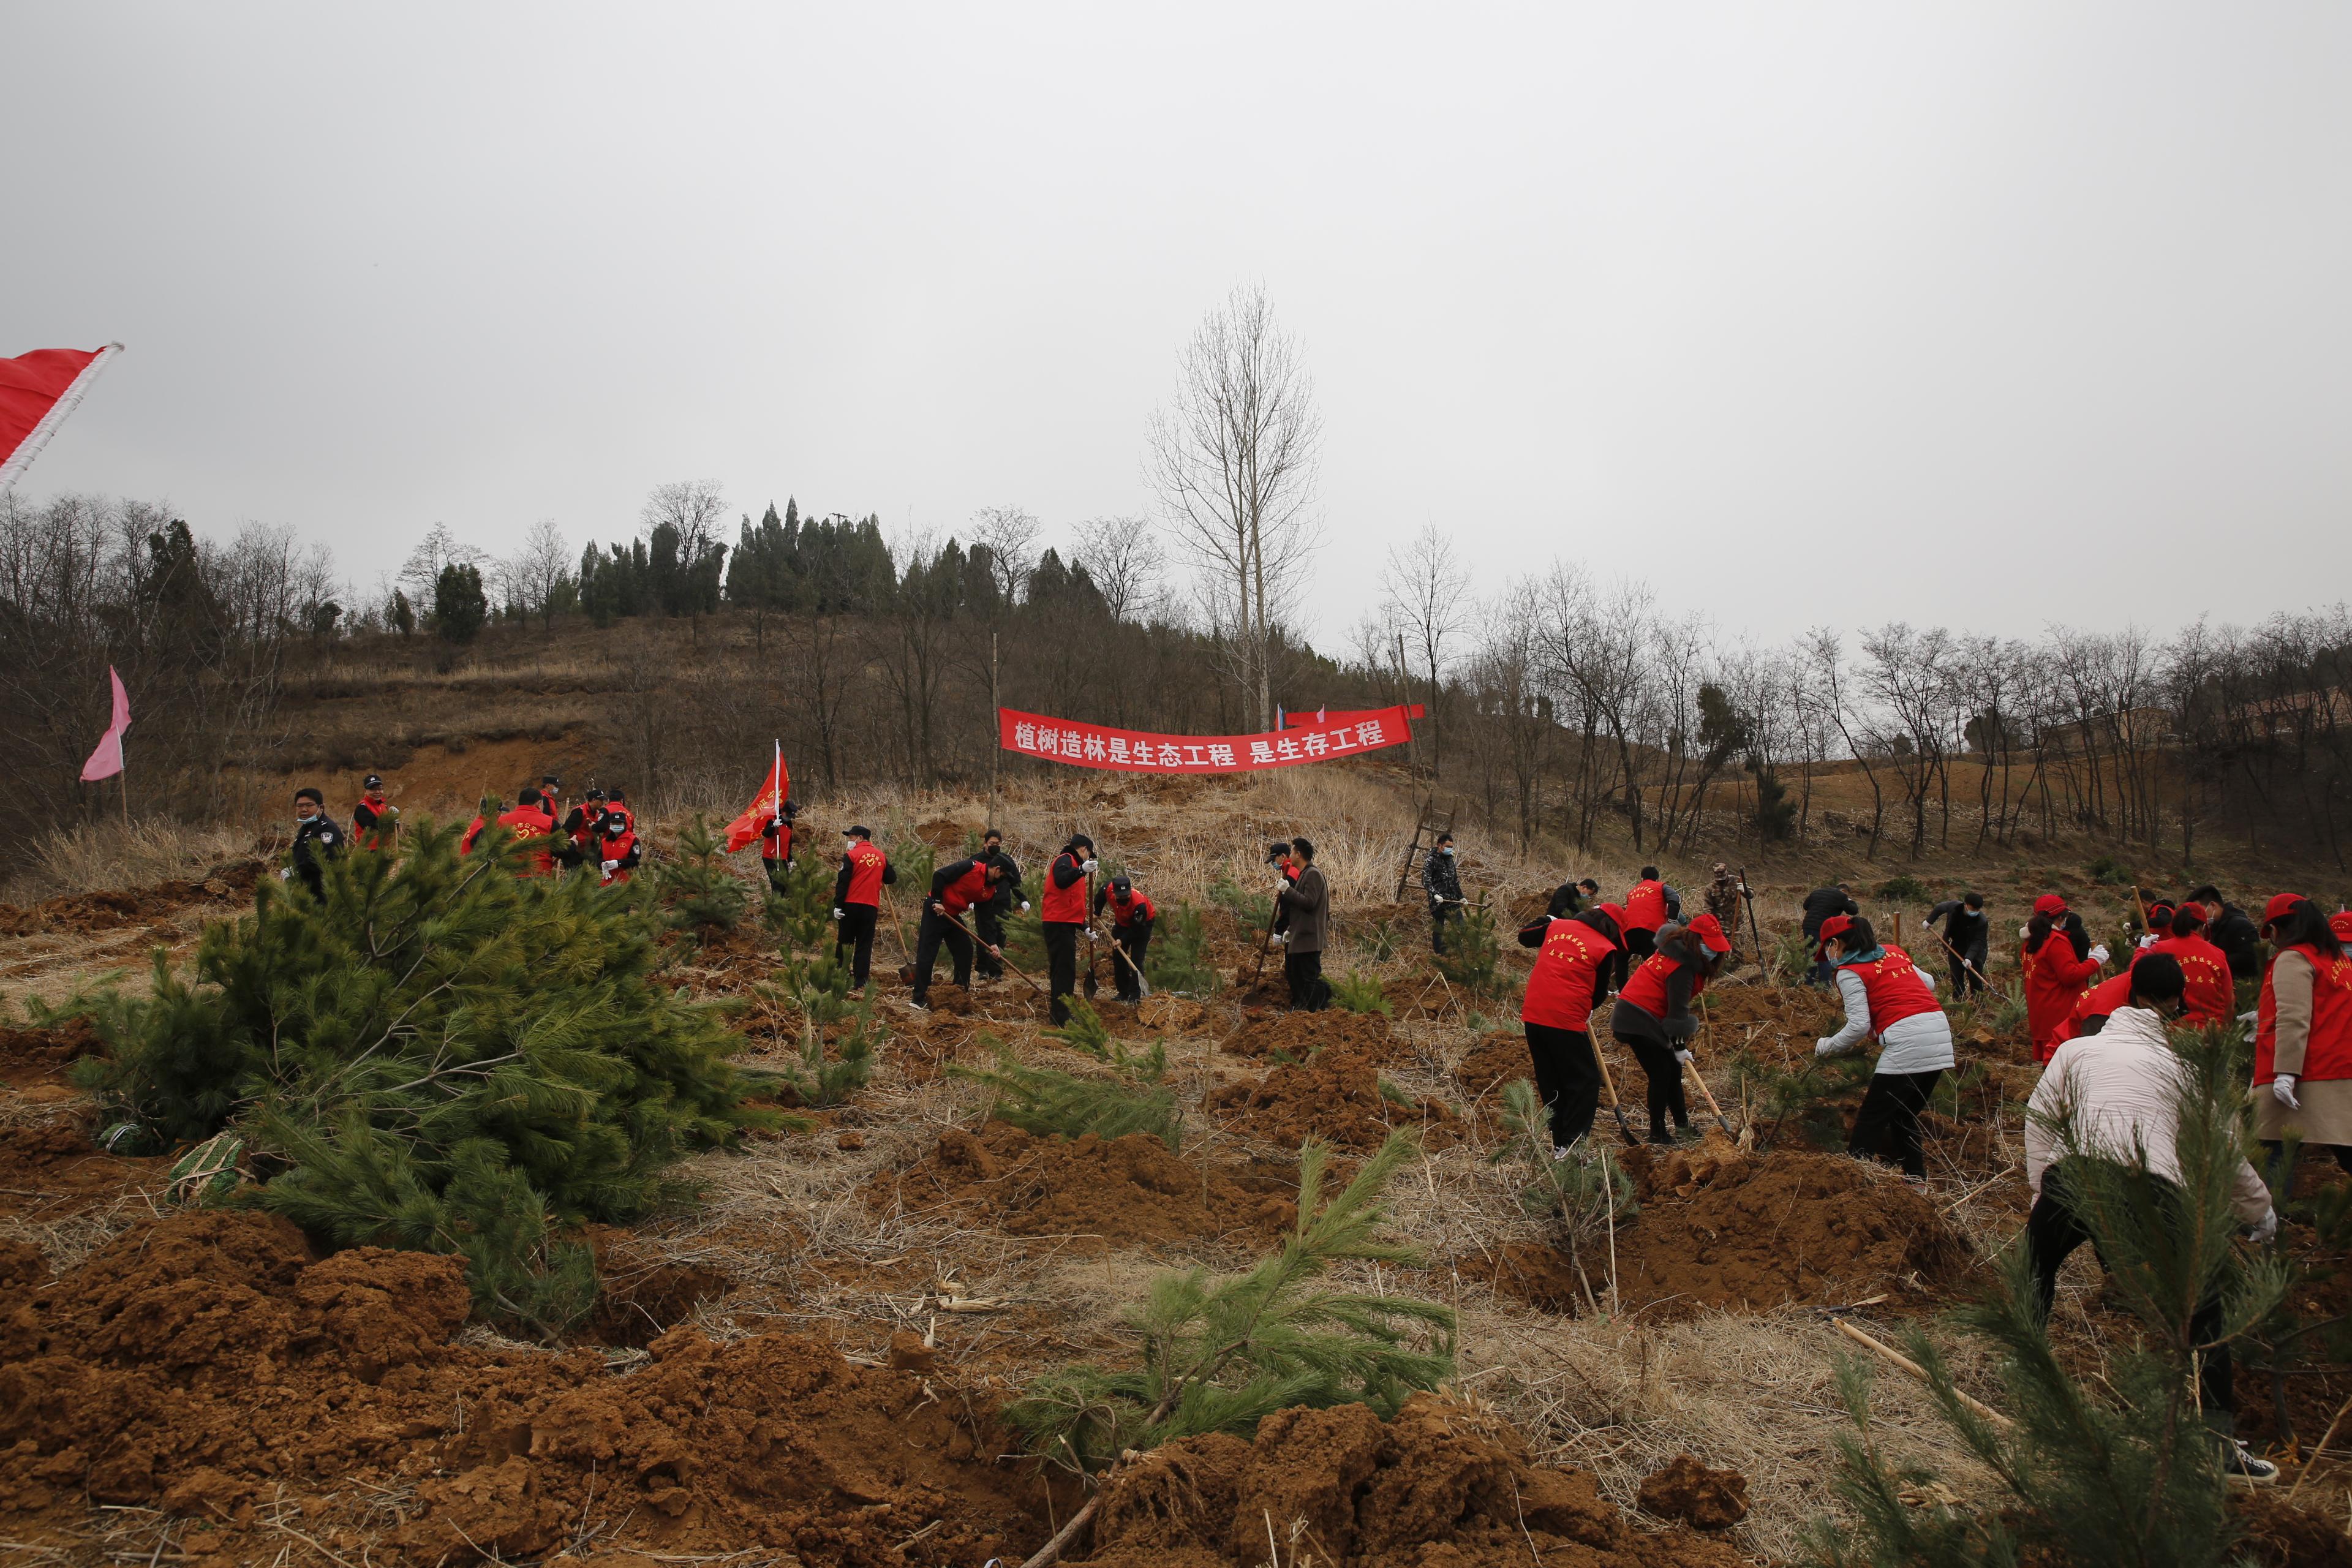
<point>1221,1354</point>
<point>1049,1102</point>
<point>1471,951</point>
<point>701,893</point>
<point>1359,992</point>
<point>799,913</point>
<point>1582,1199</point>
<point>1177,962</point>
<point>818,988</point>
<point>453,1059</point>
<point>2121,1471</point>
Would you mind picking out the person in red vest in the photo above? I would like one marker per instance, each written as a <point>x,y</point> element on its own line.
<point>1277,854</point>
<point>776,844</point>
<point>956,890</point>
<point>616,849</point>
<point>373,819</point>
<point>1891,999</point>
<point>857,899</point>
<point>1645,911</point>
<point>534,830</point>
<point>2059,961</point>
<point>2210,997</point>
<point>1574,956</point>
<point>1653,1019</point>
<point>581,828</point>
<point>1132,914</point>
<point>490,808</point>
<point>2093,1007</point>
<point>2302,1035</point>
<point>1063,911</point>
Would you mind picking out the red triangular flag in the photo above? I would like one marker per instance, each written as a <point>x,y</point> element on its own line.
<point>768,803</point>
<point>107,761</point>
<point>37,392</point>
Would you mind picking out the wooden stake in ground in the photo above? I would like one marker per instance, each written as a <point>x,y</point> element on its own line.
<point>1916,1370</point>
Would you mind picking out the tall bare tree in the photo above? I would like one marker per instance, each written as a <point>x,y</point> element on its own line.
<point>1123,556</point>
<point>1011,535</point>
<point>1233,458</point>
<point>1428,601</point>
<point>536,574</point>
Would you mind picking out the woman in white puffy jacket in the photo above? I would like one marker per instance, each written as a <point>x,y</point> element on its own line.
<point>1888,996</point>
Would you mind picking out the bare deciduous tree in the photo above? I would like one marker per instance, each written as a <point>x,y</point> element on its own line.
<point>1233,458</point>
<point>438,547</point>
<point>1428,601</point>
<point>535,575</point>
<point>1123,557</point>
<point>1011,535</point>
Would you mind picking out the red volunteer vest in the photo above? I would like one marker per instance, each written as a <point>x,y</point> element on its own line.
<point>2055,980</point>
<point>2212,997</point>
<point>2098,1002</point>
<point>2328,1052</point>
<point>1645,906</point>
<point>1894,988</point>
<point>866,866</point>
<point>1559,991</point>
<point>776,843</point>
<point>617,848</point>
<point>1647,988</point>
<point>1127,910</point>
<point>374,837</point>
<point>528,822</point>
<point>966,890</point>
<point>1064,906</point>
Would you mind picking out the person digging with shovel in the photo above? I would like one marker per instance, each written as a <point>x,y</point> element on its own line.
<point>955,890</point>
<point>1132,914</point>
<point>1890,997</point>
<point>1652,1018</point>
<point>1063,912</point>
<point>1574,956</point>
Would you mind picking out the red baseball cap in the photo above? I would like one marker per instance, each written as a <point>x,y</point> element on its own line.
<point>2194,911</point>
<point>2050,904</point>
<point>1835,926</point>
<point>1709,929</point>
<point>2281,905</point>
<point>2340,922</point>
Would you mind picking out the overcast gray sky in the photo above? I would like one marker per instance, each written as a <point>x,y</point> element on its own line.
<point>1980,314</point>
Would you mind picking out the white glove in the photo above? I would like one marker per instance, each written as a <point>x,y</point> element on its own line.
<point>1683,1057</point>
<point>2265,1228</point>
<point>1088,868</point>
<point>1824,1048</point>
<point>287,875</point>
<point>2282,1086</point>
<point>611,867</point>
<point>2248,1018</point>
<point>1025,905</point>
<point>837,913</point>
<point>1281,886</point>
<point>2024,932</point>
<point>2098,955</point>
<point>2150,940</point>
<point>1283,937</point>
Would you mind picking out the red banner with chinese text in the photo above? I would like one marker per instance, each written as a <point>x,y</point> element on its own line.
<point>1130,751</point>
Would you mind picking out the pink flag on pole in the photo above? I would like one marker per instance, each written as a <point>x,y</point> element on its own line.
<point>107,761</point>
<point>37,392</point>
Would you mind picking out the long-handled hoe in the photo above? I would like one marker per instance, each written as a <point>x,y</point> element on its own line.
<point>998,954</point>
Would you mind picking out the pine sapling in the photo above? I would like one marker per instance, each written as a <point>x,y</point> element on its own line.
<point>1359,992</point>
<point>817,987</point>
<point>1584,1199</point>
<point>702,896</point>
<point>1046,1103</point>
<point>1471,951</point>
<point>1177,963</point>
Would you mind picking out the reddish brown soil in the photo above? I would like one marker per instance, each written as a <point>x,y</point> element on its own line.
<point>641,1297</point>
<point>1788,1229</point>
<point>1536,1273</point>
<point>1300,1035</point>
<point>31,1056</point>
<point>1687,1490</point>
<point>1808,1010</point>
<point>1443,1484</point>
<point>1494,1061</point>
<point>112,908</point>
<point>51,1170</point>
<point>1104,1193</point>
<point>1336,1098</point>
<point>2280,1535</point>
<point>207,1366</point>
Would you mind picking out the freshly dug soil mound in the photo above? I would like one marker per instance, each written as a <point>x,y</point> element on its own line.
<point>1444,1483</point>
<point>1300,1035</point>
<point>51,1169</point>
<point>1542,1276</point>
<point>1122,1191</point>
<point>1809,1010</point>
<point>1788,1229</point>
<point>1494,1061</point>
<point>39,1056</point>
<point>115,907</point>
<point>1336,1098</point>
<point>207,1365</point>
<point>1688,1491</point>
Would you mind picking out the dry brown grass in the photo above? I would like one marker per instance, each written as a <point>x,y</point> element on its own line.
<point>105,854</point>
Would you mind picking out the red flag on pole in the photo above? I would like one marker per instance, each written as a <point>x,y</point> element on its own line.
<point>37,392</point>
<point>107,761</point>
<point>768,802</point>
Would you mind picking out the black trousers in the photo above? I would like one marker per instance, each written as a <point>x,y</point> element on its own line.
<point>778,872</point>
<point>937,931</point>
<point>988,922</point>
<point>855,931</point>
<point>1665,1074</point>
<point>1965,980</point>
<point>1133,940</point>
<point>1308,993</point>
<point>1438,915</point>
<point>2279,1179</point>
<point>1568,1079</point>
<point>1640,943</point>
<point>2051,1235</point>
<point>1887,1125</point>
<point>1061,966</point>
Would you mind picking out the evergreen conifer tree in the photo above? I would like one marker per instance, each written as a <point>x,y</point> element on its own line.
<point>440,1054</point>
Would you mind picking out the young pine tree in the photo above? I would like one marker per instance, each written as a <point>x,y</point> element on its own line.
<point>702,896</point>
<point>453,1059</point>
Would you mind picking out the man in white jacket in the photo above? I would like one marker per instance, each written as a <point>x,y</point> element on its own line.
<point>2119,1092</point>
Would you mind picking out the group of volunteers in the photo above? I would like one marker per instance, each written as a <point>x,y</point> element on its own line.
<point>599,832</point>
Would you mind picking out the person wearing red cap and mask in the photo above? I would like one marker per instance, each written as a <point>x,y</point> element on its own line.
<point>2303,1033</point>
<point>1888,996</point>
<point>2209,997</point>
<point>2059,961</point>
<point>1573,960</point>
<point>1652,1018</point>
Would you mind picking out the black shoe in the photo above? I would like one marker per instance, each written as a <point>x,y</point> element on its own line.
<point>1659,1136</point>
<point>2240,1467</point>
